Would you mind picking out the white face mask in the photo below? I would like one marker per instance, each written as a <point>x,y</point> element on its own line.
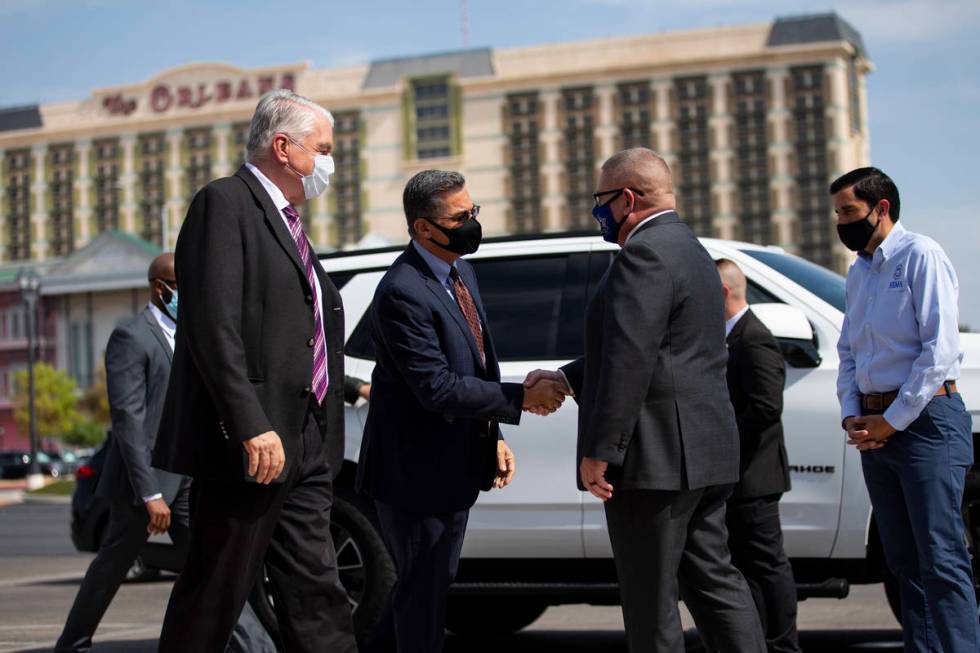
<point>315,183</point>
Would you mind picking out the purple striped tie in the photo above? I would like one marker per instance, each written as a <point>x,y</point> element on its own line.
<point>320,378</point>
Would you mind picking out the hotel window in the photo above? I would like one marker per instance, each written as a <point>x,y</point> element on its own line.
<point>816,224</point>
<point>61,160</point>
<point>578,118</point>
<point>431,114</point>
<point>634,101</point>
<point>197,144</point>
<point>106,153</point>
<point>694,187</point>
<point>346,180</point>
<point>523,121</point>
<point>18,218</point>
<point>240,138</point>
<point>751,157</point>
<point>152,166</point>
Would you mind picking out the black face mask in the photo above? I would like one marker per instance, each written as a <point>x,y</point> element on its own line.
<point>857,235</point>
<point>463,240</point>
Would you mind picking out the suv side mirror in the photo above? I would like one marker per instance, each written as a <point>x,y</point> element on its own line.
<point>793,332</point>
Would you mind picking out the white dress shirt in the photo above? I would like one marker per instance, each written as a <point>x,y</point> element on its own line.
<point>733,320</point>
<point>901,327</point>
<point>643,222</point>
<point>169,328</point>
<point>280,202</point>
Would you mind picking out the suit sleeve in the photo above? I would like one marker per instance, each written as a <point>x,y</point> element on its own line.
<point>762,377</point>
<point>407,332</point>
<point>210,269</point>
<point>574,374</point>
<point>639,294</point>
<point>125,366</point>
<point>352,386</point>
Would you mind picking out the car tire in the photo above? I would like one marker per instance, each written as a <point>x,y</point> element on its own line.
<point>468,616</point>
<point>366,571</point>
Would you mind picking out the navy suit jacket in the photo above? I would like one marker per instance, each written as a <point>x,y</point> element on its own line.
<point>431,435</point>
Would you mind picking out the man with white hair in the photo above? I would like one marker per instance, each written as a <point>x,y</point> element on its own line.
<point>254,408</point>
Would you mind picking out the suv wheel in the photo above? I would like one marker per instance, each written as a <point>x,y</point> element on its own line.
<point>366,571</point>
<point>467,616</point>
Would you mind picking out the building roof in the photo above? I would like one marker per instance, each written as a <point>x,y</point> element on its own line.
<point>12,118</point>
<point>465,63</point>
<point>816,28</point>
<point>114,260</point>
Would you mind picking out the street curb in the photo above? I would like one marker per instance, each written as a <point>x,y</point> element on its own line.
<point>46,498</point>
<point>8,497</point>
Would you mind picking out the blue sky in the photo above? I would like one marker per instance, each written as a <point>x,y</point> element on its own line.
<point>923,104</point>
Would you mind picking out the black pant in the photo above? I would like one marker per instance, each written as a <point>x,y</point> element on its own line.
<point>125,537</point>
<point>755,538</point>
<point>235,527</point>
<point>425,549</point>
<point>660,536</point>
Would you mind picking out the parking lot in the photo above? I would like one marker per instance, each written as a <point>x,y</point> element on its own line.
<point>40,573</point>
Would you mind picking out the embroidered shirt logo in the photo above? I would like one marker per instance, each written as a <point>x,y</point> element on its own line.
<point>896,281</point>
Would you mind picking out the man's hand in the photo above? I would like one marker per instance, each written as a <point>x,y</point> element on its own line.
<point>266,459</point>
<point>552,383</point>
<point>365,391</point>
<point>505,465</point>
<point>159,513</point>
<point>868,432</point>
<point>593,472</point>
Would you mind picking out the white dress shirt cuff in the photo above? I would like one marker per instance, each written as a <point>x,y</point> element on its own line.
<point>152,497</point>
<point>571,393</point>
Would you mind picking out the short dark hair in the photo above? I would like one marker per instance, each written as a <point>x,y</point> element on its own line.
<point>871,185</point>
<point>424,192</point>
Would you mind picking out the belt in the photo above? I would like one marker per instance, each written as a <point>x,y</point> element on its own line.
<point>882,400</point>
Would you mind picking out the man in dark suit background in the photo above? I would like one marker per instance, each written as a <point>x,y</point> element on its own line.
<point>431,440</point>
<point>254,410</point>
<point>143,500</point>
<point>756,377</point>
<point>657,438</point>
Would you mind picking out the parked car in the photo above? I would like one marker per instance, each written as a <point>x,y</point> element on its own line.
<point>541,541</point>
<point>90,518</point>
<point>17,464</point>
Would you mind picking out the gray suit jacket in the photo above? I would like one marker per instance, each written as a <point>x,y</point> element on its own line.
<point>653,399</point>
<point>137,364</point>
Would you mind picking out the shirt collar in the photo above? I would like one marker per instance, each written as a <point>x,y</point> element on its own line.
<point>643,222</point>
<point>887,247</point>
<point>278,199</point>
<point>168,325</point>
<point>439,267</point>
<point>733,320</point>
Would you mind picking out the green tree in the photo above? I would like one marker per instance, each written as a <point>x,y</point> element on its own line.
<point>55,401</point>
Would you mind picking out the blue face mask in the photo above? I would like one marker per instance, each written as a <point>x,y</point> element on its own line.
<point>171,306</point>
<point>607,222</point>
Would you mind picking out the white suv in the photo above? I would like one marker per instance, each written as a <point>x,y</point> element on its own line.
<point>541,541</point>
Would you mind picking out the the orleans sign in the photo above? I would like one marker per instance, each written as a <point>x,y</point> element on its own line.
<point>195,87</point>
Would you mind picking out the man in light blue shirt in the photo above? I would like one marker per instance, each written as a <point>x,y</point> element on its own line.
<point>899,360</point>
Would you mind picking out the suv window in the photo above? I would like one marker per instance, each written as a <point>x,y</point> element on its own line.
<point>524,301</point>
<point>535,306</point>
<point>827,285</point>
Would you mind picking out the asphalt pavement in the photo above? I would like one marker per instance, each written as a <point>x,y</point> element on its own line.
<point>40,572</point>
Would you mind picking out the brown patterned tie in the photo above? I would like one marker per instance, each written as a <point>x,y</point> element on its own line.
<point>468,306</point>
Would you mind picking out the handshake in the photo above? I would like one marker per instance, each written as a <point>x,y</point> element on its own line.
<point>545,391</point>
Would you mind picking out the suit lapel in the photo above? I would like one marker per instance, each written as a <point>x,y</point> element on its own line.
<point>157,332</point>
<point>274,219</point>
<point>444,297</point>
